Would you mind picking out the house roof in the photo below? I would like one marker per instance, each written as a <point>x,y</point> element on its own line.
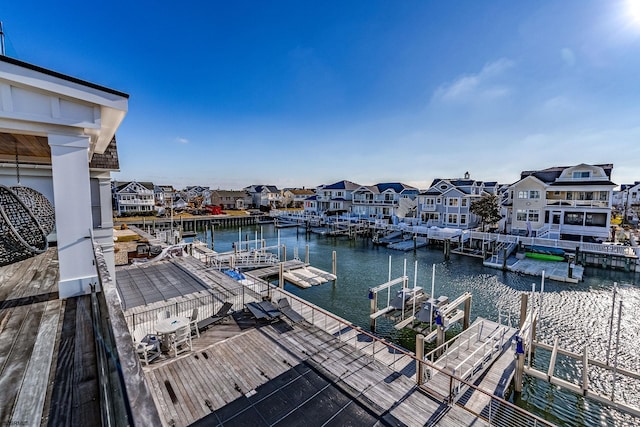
<point>122,185</point>
<point>301,191</point>
<point>230,193</point>
<point>549,175</point>
<point>398,187</point>
<point>342,185</point>
<point>56,74</point>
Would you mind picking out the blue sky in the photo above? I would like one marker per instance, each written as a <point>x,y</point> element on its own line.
<point>291,93</point>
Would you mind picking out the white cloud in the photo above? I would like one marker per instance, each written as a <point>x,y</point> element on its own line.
<point>181,140</point>
<point>477,87</point>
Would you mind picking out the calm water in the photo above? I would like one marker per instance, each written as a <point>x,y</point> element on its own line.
<point>577,314</point>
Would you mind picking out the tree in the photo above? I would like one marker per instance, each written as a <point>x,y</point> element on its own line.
<point>487,209</point>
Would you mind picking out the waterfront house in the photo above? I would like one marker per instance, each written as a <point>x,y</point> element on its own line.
<point>384,200</point>
<point>310,205</point>
<point>163,194</point>
<point>229,199</point>
<point>627,201</point>
<point>567,202</point>
<point>335,198</point>
<point>265,196</point>
<point>447,202</point>
<point>133,197</point>
<point>295,197</point>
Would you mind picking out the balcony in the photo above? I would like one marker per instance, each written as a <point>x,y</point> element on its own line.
<point>600,204</point>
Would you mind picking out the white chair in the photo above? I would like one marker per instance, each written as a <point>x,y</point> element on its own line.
<point>163,315</point>
<point>193,322</point>
<point>182,340</point>
<point>147,346</point>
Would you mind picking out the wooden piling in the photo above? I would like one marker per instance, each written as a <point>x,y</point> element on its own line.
<point>373,306</point>
<point>439,339</point>
<point>306,254</point>
<point>504,259</point>
<point>467,313</point>
<point>281,275</point>
<point>524,302</point>
<point>419,359</point>
<point>334,263</point>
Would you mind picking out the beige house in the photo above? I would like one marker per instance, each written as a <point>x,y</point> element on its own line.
<point>230,199</point>
<point>572,203</point>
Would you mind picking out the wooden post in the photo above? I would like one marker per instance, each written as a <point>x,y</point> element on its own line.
<point>420,358</point>
<point>585,372</point>
<point>334,263</point>
<point>524,302</point>
<point>439,338</point>
<point>447,249</point>
<point>284,253</point>
<point>281,275</point>
<point>374,305</point>
<point>467,313</point>
<point>212,236</point>
<point>415,242</point>
<point>577,254</point>
<point>504,259</point>
<point>306,254</point>
<point>519,374</point>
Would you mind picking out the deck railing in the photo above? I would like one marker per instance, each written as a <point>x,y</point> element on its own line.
<point>498,412</point>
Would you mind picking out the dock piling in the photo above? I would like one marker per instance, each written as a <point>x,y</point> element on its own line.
<point>419,359</point>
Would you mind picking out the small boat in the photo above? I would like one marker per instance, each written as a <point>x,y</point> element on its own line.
<point>544,257</point>
<point>404,296</point>
<point>548,250</point>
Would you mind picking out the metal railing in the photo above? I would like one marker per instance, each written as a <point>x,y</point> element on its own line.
<point>498,411</point>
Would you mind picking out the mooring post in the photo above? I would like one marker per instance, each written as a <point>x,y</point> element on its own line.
<point>373,299</point>
<point>306,254</point>
<point>504,259</point>
<point>284,253</point>
<point>467,313</point>
<point>519,374</point>
<point>212,236</point>
<point>281,275</point>
<point>447,249</point>
<point>585,371</point>
<point>439,339</point>
<point>524,302</point>
<point>419,359</point>
<point>334,263</point>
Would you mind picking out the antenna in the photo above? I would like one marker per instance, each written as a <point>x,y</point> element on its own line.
<point>1,40</point>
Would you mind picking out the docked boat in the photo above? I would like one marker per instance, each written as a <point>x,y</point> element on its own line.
<point>545,253</point>
<point>544,257</point>
<point>405,296</point>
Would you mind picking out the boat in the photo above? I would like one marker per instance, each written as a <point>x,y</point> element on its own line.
<point>544,257</point>
<point>548,250</point>
<point>404,296</point>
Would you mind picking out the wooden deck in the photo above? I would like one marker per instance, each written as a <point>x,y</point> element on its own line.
<point>194,385</point>
<point>47,351</point>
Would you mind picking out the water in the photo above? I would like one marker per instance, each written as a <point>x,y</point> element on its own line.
<point>578,314</point>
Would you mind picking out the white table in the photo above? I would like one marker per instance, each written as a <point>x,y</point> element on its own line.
<point>169,326</point>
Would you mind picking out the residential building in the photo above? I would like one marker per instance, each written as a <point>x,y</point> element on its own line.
<point>447,202</point>
<point>230,199</point>
<point>295,197</point>
<point>335,198</point>
<point>163,194</point>
<point>384,200</point>
<point>567,202</point>
<point>310,205</point>
<point>265,196</point>
<point>133,197</point>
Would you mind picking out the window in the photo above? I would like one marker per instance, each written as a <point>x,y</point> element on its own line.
<point>534,216</point>
<point>573,218</point>
<point>604,196</point>
<point>452,201</point>
<point>452,218</point>
<point>534,194</point>
<point>464,203</point>
<point>463,219</point>
<point>438,201</point>
<point>523,194</point>
<point>581,174</point>
<point>521,215</point>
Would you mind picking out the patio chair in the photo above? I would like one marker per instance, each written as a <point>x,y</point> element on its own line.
<point>163,315</point>
<point>193,322</point>
<point>182,340</point>
<point>147,346</point>
<point>287,310</point>
<point>220,315</point>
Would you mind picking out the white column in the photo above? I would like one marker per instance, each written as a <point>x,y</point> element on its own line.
<point>72,198</point>
<point>106,225</point>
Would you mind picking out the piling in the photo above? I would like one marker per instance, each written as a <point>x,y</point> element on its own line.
<point>373,299</point>
<point>440,338</point>
<point>524,302</point>
<point>447,249</point>
<point>467,313</point>
<point>281,275</point>
<point>284,252</point>
<point>419,359</point>
<point>306,254</point>
<point>334,263</point>
<point>504,259</point>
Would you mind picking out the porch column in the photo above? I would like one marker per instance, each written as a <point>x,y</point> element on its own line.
<point>104,234</point>
<point>72,198</point>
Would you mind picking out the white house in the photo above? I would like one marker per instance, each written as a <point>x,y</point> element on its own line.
<point>447,202</point>
<point>62,131</point>
<point>265,195</point>
<point>295,197</point>
<point>133,197</point>
<point>336,197</point>
<point>568,202</point>
<point>384,200</point>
